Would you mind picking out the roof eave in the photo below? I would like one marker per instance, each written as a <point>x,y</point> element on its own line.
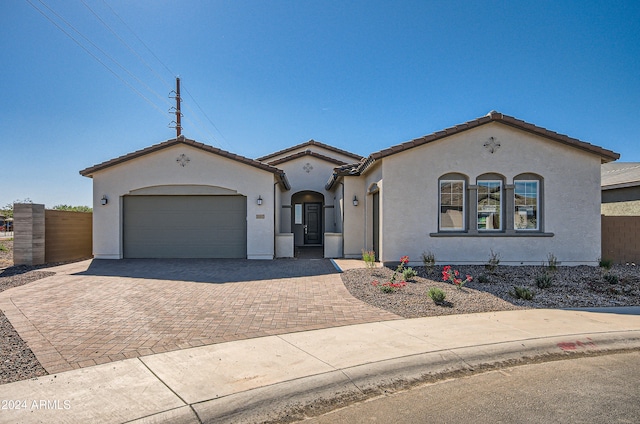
<point>629,184</point>
<point>493,116</point>
<point>309,143</point>
<point>88,172</point>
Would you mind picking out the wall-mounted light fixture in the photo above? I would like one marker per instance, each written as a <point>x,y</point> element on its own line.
<point>355,200</point>
<point>259,200</point>
<point>104,200</point>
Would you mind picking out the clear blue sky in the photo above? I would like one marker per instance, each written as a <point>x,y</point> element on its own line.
<point>259,76</point>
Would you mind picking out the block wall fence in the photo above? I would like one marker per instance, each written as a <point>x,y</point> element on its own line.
<point>621,238</point>
<point>47,236</point>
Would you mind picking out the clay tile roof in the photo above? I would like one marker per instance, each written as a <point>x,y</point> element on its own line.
<point>620,175</point>
<point>493,116</point>
<point>306,153</point>
<point>309,143</point>
<point>88,172</point>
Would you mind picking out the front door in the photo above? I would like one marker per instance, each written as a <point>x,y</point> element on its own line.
<point>313,223</point>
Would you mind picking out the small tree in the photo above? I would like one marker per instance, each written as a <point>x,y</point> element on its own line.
<point>7,210</point>
<point>73,208</point>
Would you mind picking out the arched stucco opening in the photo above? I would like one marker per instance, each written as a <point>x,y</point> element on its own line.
<point>307,218</point>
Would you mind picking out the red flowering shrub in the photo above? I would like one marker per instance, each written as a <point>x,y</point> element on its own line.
<point>453,277</point>
<point>389,287</point>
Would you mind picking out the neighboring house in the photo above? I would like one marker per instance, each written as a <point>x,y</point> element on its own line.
<point>621,189</point>
<point>493,183</point>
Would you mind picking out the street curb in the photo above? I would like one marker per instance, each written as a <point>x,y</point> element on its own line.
<point>314,395</point>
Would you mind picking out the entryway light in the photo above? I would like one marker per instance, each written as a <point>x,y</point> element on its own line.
<point>355,200</point>
<point>104,199</point>
<point>259,200</point>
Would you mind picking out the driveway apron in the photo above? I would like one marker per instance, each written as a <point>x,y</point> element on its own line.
<point>101,311</point>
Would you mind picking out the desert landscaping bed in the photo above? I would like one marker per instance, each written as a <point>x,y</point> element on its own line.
<point>571,287</point>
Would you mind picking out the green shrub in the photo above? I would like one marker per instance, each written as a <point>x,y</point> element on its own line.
<point>611,278</point>
<point>493,262</point>
<point>369,258</point>
<point>544,281</point>
<point>408,274</point>
<point>387,289</point>
<point>428,259</point>
<point>605,263</point>
<point>552,262</point>
<point>483,279</point>
<point>521,293</point>
<point>3,248</point>
<point>436,295</point>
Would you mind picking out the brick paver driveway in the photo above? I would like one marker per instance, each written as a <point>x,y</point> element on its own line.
<point>100,311</point>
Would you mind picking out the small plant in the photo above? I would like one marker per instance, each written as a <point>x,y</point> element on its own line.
<point>369,258</point>
<point>611,278</point>
<point>552,262</point>
<point>436,295</point>
<point>389,287</point>
<point>544,281</point>
<point>429,260</point>
<point>605,263</point>
<point>521,293</point>
<point>493,262</point>
<point>400,269</point>
<point>452,277</point>
<point>3,248</point>
<point>408,274</point>
<point>483,279</point>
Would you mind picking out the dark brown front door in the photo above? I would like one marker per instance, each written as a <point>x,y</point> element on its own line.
<point>313,223</point>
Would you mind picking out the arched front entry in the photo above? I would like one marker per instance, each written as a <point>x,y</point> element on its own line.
<point>307,218</point>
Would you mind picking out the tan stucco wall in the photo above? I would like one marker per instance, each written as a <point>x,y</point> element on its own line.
<point>160,168</point>
<point>571,199</point>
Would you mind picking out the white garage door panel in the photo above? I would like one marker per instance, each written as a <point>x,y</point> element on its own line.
<point>185,227</point>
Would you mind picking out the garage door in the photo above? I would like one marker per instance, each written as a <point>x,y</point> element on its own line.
<point>185,227</point>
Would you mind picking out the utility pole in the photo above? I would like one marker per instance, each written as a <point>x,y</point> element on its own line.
<point>176,109</point>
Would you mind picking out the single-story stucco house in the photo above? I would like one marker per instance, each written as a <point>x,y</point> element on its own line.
<point>494,183</point>
<point>621,189</point>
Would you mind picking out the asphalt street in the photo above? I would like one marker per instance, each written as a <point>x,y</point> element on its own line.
<point>599,389</point>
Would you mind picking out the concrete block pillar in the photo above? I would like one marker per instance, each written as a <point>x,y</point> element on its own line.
<point>28,235</point>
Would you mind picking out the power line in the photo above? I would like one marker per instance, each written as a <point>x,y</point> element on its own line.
<point>169,70</point>
<point>104,53</point>
<point>89,52</point>
<point>140,40</point>
<point>205,115</point>
<point>131,49</point>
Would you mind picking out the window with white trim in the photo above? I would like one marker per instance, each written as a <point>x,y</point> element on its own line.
<point>452,211</point>
<point>526,203</point>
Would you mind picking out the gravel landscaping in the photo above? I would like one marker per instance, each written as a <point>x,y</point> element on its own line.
<point>571,287</point>
<point>17,361</point>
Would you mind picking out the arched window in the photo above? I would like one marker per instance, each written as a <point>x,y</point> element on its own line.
<point>452,199</point>
<point>490,209</point>
<point>527,202</point>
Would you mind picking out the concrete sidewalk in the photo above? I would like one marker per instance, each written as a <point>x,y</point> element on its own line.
<point>254,380</point>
